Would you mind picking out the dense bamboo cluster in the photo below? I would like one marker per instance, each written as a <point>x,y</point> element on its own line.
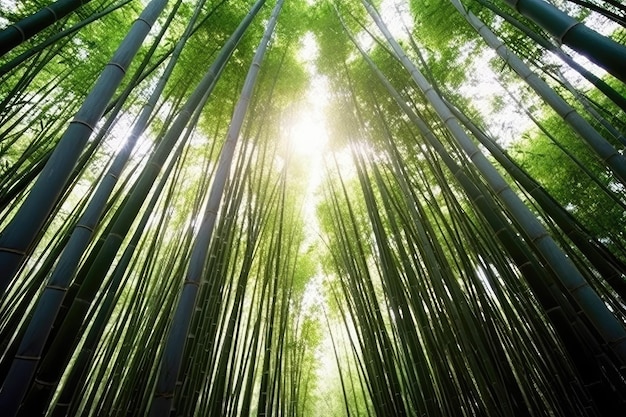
<point>162,252</point>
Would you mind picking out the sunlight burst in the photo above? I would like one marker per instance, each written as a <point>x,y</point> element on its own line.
<point>308,136</point>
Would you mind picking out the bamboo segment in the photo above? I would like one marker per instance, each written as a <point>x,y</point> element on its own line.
<point>601,50</point>
<point>605,151</point>
<point>31,25</point>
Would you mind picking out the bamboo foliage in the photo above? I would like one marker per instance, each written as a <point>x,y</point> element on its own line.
<point>443,398</point>
<point>402,102</point>
<point>602,147</point>
<point>191,259</point>
<point>540,40</point>
<point>565,270</point>
<point>43,317</point>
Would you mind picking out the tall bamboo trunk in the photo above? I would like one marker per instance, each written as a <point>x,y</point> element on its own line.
<point>172,356</point>
<point>17,238</point>
<point>49,303</point>
<point>5,68</point>
<point>605,151</point>
<point>52,364</point>
<point>601,85</point>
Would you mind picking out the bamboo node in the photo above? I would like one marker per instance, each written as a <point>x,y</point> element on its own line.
<point>28,357</point>
<point>551,309</point>
<point>578,287</point>
<point>84,123</point>
<point>46,384</point>
<point>612,155</point>
<point>119,66</point>
<point>82,226</point>
<point>501,189</point>
<point>20,30</point>
<point>164,395</point>
<point>56,17</point>
<point>82,301</point>
<point>570,111</point>
<point>57,287</point>
<point>141,19</point>
<point>567,30</point>
<point>500,231</point>
<point>504,53</point>
<point>450,117</point>
<point>471,155</point>
<point>11,250</point>
<point>618,340</point>
<point>539,237</point>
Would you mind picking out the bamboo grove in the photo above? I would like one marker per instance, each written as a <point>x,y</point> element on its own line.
<point>166,250</point>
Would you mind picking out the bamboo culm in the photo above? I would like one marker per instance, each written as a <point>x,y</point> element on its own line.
<point>605,151</point>
<point>59,350</point>
<point>601,50</point>
<point>35,23</point>
<point>603,320</point>
<point>172,356</point>
<point>17,238</point>
<point>49,303</point>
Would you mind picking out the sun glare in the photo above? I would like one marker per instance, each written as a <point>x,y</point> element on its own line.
<point>396,15</point>
<point>308,136</point>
